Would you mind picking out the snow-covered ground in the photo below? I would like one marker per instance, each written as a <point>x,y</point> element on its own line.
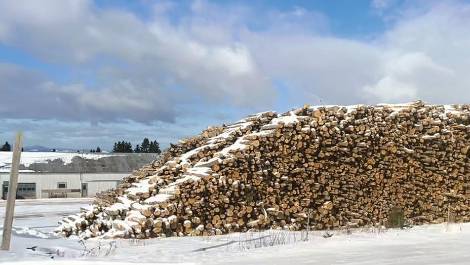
<point>35,219</point>
<point>28,158</point>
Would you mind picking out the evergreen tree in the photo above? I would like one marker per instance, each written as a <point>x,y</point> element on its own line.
<point>151,147</point>
<point>122,147</point>
<point>128,148</point>
<point>6,147</point>
<point>157,148</point>
<point>145,146</point>
<point>137,149</point>
<point>98,149</point>
<point>117,147</point>
<point>154,147</point>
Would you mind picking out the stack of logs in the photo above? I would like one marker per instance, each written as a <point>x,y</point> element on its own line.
<point>335,167</point>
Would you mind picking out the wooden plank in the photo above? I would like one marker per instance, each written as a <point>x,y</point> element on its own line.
<point>12,186</point>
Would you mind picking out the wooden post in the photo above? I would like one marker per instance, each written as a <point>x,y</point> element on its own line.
<point>12,185</point>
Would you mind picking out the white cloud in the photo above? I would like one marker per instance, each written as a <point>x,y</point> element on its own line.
<point>405,76</point>
<point>145,70</point>
<point>331,69</point>
<point>419,57</point>
<point>381,5</point>
<point>390,89</point>
<point>77,33</point>
<point>424,57</point>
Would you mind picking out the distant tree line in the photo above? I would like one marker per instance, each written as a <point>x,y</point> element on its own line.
<point>97,150</point>
<point>146,146</point>
<point>122,147</point>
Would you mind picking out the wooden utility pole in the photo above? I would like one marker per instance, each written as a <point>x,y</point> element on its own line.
<point>12,185</point>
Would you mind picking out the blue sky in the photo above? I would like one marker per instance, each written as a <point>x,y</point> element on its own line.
<point>82,74</point>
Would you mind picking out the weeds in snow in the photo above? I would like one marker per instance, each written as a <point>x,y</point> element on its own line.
<point>258,239</point>
<point>102,250</point>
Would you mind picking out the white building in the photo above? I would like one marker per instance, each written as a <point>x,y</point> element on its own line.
<point>34,185</point>
<point>41,173</point>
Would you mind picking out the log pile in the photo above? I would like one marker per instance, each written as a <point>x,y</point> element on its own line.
<point>343,166</point>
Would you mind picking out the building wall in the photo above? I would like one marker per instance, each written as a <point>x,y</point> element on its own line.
<point>47,183</point>
<point>98,182</point>
<point>99,186</point>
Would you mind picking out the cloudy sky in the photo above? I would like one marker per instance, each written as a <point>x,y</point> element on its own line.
<point>82,74</point>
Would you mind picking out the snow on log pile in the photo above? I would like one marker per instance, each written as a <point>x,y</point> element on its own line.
<point>347,166</point>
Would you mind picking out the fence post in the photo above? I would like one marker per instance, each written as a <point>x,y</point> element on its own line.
<point>12,185</point>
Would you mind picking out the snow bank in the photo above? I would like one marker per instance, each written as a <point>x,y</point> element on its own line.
<point>28,232</point>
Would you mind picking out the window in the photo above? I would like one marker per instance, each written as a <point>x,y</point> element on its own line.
<point>26,187</point>
<point>61,185</point>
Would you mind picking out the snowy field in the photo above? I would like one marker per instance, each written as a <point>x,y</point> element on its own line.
<point>33,243</point>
